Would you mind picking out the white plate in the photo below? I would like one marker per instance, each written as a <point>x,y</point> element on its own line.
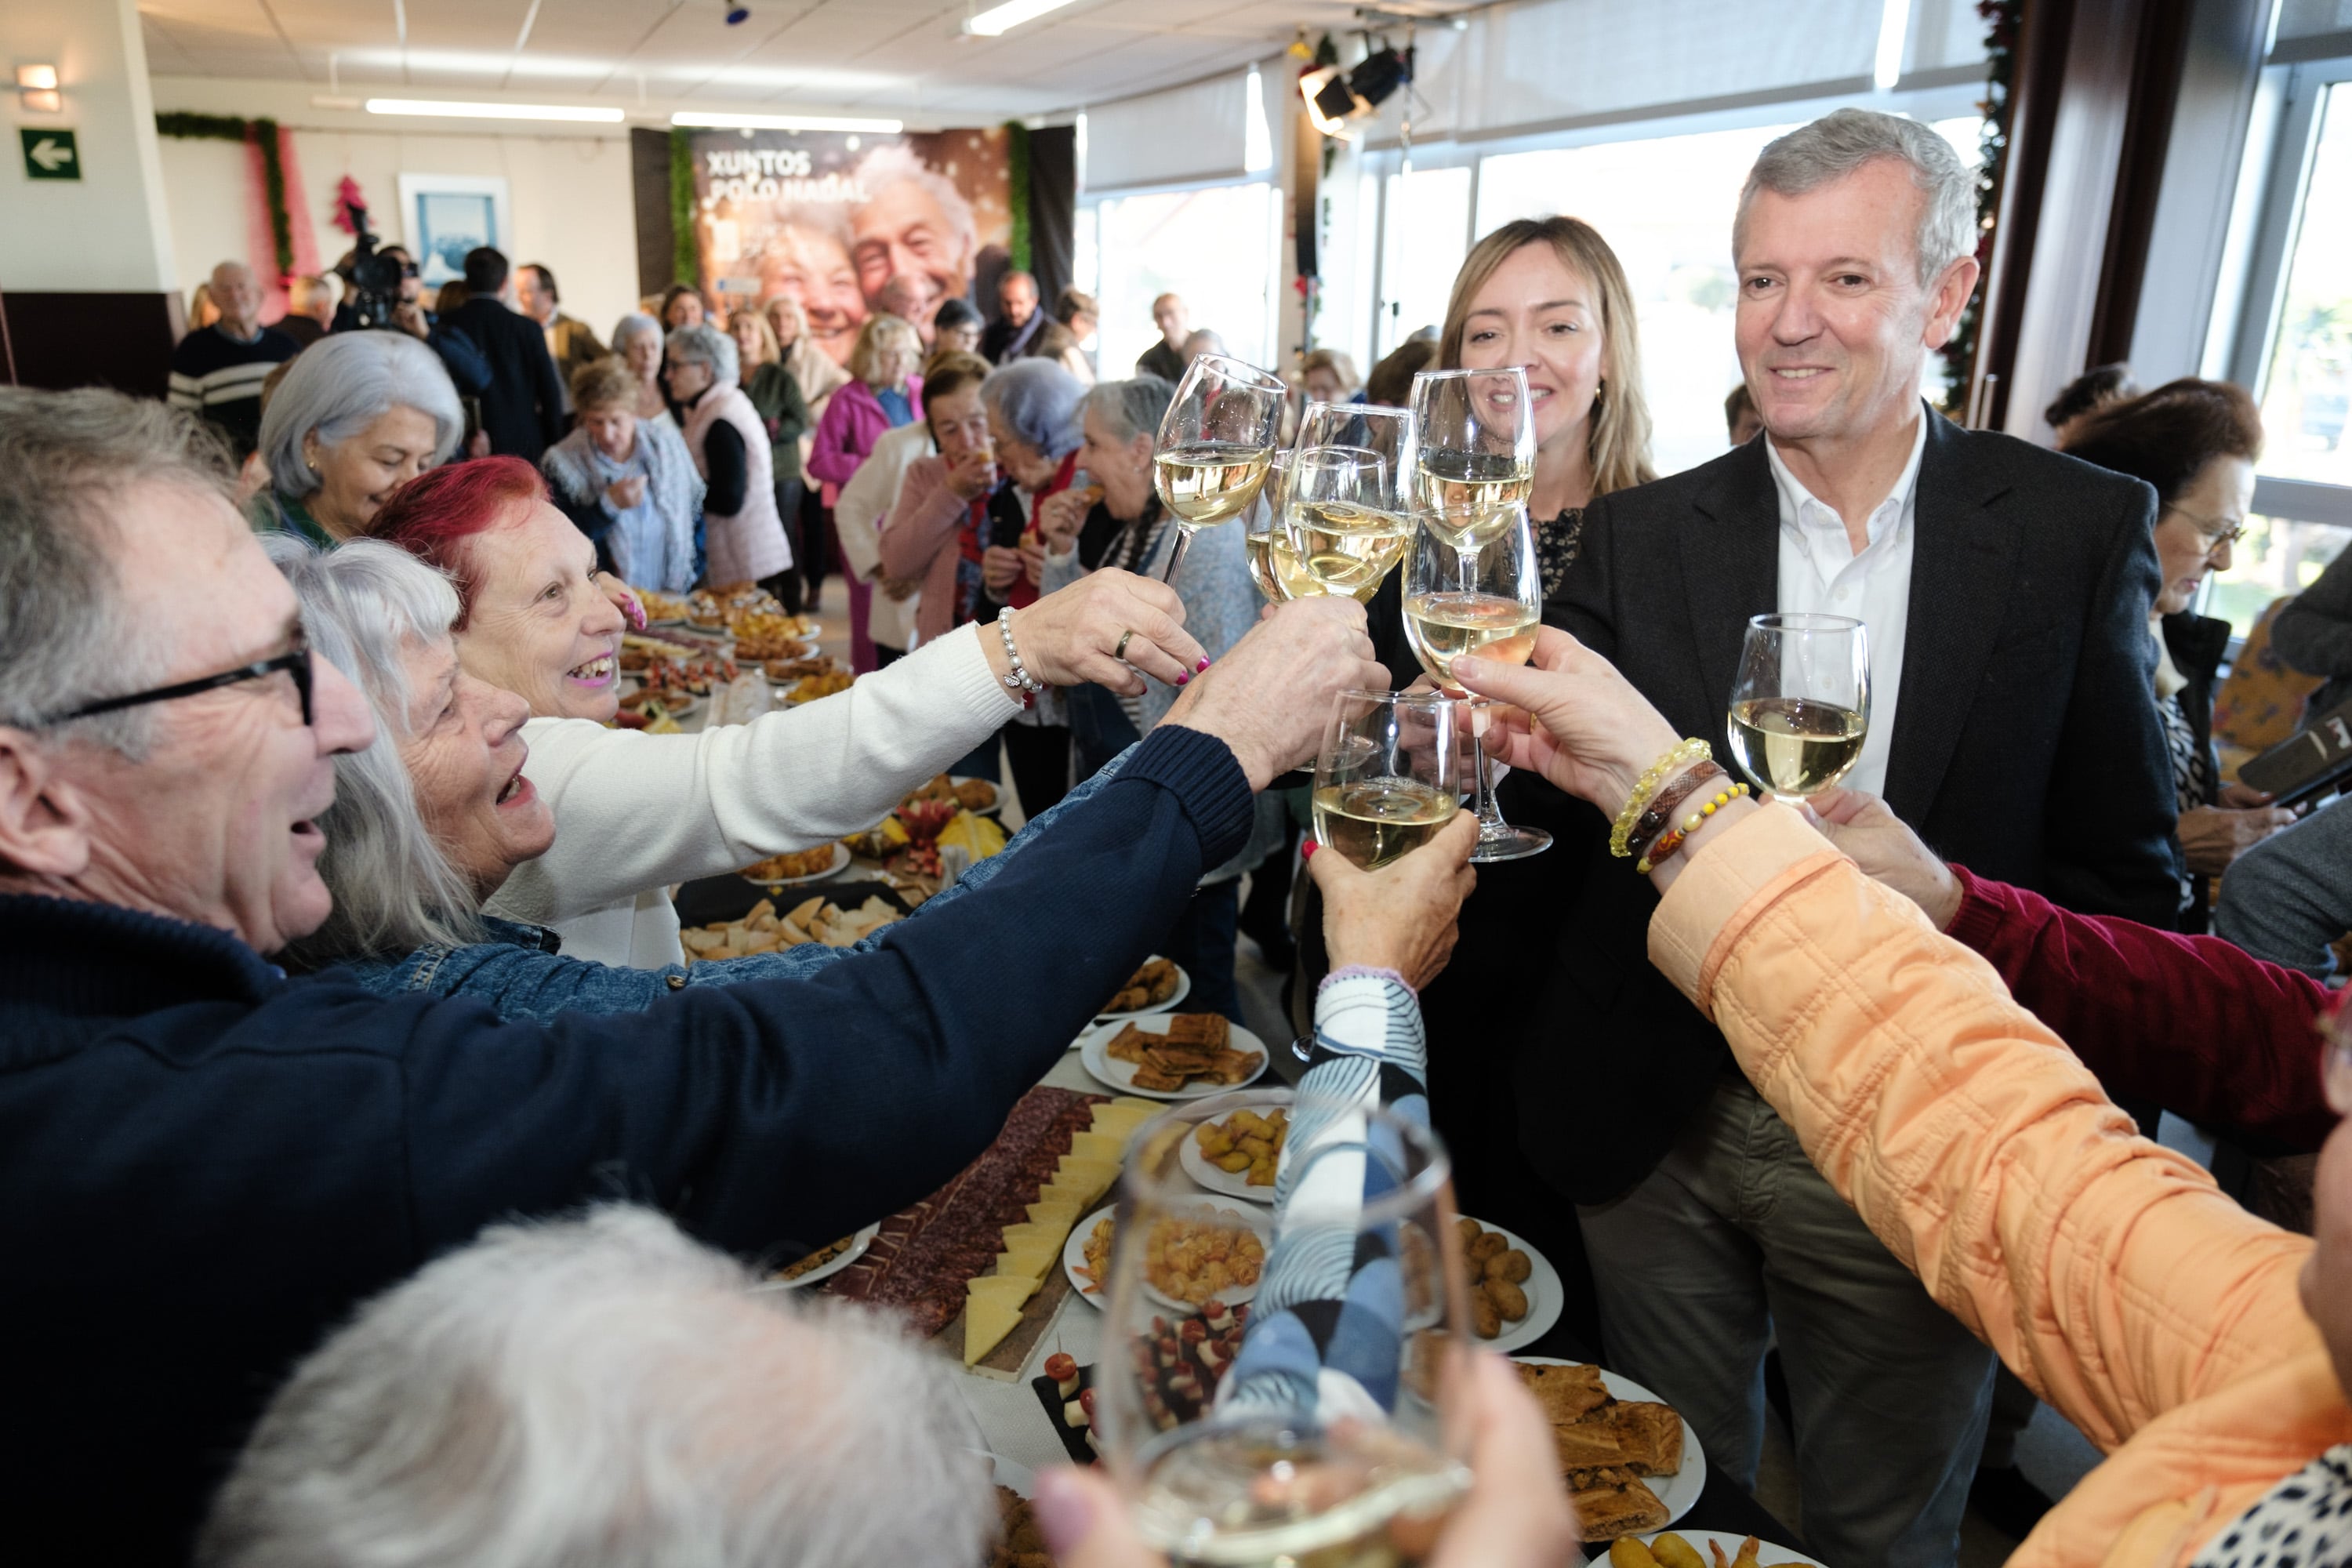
<point>831,1266</point>
<point>840,864</point>
<point>1770,1555</point>
<point>1197,1166</point>
<point>1073,1257</point>
<point>1183,989</point>
<point>1679,1492</point>
<point>1094,1055</point>
<point>1017,1479</point>
<point>1546,1300</point>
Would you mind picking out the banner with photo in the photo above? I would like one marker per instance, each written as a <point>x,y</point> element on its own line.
<point>829,218</point>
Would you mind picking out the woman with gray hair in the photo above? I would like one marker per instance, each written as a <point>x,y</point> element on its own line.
<point>637,341</point>
<point>743,537</point>
<point>358,416</point>
<point>1117,521</point>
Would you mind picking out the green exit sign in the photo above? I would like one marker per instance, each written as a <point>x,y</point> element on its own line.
<point>50,155</point>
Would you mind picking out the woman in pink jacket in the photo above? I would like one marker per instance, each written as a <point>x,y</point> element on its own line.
<point>882,395</point>
<point>2205,1351</point>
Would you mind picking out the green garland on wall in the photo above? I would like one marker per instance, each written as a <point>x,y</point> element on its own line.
<point>685,260</point>
<point>2000,58</point>
<point>262,133</point>
<point>1016,196</point>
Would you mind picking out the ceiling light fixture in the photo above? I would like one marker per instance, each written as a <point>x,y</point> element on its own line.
<point>998,20</point>
<point>434,106</point>
<point>710,120</point>
<point>1328,101</point>
<point>37,89</point>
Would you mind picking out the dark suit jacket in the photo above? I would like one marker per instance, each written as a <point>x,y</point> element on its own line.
<point>575,345</point>
<point>2026,745</point>
<point>523,408</point>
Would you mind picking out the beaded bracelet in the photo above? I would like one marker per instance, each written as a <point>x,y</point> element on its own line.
<point>1666,847</point>
<point>1019,680</point>
<point>1662,806</point>
<point>1692,750</point>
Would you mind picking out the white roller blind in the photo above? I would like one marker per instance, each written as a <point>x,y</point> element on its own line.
<point>1194,132</point>
<point>2304,18</point>
<point>1944,33</point>
<point>1525,66</point>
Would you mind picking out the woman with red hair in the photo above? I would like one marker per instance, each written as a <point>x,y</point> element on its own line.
<point>638,812</point>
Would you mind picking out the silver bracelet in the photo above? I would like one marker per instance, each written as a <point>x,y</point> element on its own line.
<point>1019,680</point>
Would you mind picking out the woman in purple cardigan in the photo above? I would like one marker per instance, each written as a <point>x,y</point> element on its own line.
<point>881,395</point>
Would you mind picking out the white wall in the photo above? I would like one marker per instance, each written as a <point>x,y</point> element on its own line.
<point>569,195</point>
<point>106,232</point>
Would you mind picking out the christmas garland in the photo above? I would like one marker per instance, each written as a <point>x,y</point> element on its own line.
<point>1016,182</point>
<point>685,262</point>
<point>2001,57</point>
<point>262,134</point>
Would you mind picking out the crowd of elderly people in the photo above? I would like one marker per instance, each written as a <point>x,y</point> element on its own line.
<point>379,1173</point>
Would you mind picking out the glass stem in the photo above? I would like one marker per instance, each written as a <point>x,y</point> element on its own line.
<point>1490,816</point>
<point>1176,555</point>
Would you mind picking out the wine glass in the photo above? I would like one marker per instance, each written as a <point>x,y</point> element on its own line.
<point>1474,447</point>
<point>1216,444</point>
<point>1391,432</point>
<point>1388,777</point>
<point>1800,707</point>
<point>1234,1438</point>
<point>1261,524</point>
<point>1476,590</point>
<point>1341,529</point>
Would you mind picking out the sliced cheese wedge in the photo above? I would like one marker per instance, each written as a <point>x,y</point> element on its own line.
<point>1111,1146</point>
<point>1029,1259</point>
<point>986,1321</point>
<point>1091,1177</point>
<point>1016,1234</point>
<point>1059,1210</point>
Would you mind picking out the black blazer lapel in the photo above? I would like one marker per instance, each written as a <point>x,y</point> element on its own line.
<point>1965,555</point>
<point>1731,571</point>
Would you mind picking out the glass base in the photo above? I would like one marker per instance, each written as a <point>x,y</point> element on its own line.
<point>1505,842</point>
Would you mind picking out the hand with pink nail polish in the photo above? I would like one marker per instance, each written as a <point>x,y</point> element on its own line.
<point>1110,627</point>
<point>1270,694</point>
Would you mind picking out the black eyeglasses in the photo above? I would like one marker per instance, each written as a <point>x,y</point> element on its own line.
<point>295,662</point>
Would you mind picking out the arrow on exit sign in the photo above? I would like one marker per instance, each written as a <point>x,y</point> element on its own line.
<point>50,155</point>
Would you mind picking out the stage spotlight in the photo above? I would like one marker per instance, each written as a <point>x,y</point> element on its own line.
<point>1381,74</point>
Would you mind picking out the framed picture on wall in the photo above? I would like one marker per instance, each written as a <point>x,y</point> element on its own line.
<point>448,215</point>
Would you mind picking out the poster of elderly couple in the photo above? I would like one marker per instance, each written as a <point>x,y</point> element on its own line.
<point>830,218</point>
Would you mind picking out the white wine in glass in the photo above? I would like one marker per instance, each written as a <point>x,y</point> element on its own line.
<point>1442,625</point>
<point>1474,449</point>
<point>1387,778</point>
<point>1339,533</point>
<point>1800,707</point>
<point>1215,447</point>
<point>1263,527</point>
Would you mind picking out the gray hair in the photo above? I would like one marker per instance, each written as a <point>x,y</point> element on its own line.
<point>362,605</point>
<point>628,328</point>
<point>1841,141</point>
<point>1131,408</point>
<point>341,385</point>
<point>895,162</point>
<point>1041,402</point>
<point>65,637</point>
<point>604,1391</point>
<point>703,343</point>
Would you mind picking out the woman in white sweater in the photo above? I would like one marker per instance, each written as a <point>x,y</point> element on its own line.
<point>639,812</point>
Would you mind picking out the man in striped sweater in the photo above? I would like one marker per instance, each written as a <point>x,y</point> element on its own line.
<point>217,371</point>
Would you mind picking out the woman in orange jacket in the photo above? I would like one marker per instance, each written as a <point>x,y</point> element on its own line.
<point>2206,1352</point>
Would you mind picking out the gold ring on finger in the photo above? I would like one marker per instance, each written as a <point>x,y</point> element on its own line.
<point>1120,653</point>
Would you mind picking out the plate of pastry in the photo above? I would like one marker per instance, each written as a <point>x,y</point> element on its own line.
<point>1516,1295</point>
<point>1156,987</point>
<point>824,1263</point>
<point>1718,1548</point>
<point>1172,1055</point>
<point>1213,1253</point>
<point>1632,1462</point>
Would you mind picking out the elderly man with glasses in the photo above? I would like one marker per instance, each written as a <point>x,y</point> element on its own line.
<point>208,1163</point>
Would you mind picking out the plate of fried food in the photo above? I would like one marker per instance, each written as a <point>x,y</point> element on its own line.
<point>1237,1156</point>
<point>790,672</point>
<point>976,795</point>
<point>765,930</point>
<point>1680,1549</point>
<point>1156,987</point>
<point>1201,1257</point>
<point>1630,1460</point>
<point>1516,1295</point>
<point>761,636</point>
<point>824,1263</point>
<point>801,865</point>
<point>1173,1056</point>
<point>809,688</point>
<point>664,609</point>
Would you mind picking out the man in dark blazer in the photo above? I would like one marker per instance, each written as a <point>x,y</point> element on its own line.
<point>571,341</point>
<point>2006,590</point>
<point>523,408</point>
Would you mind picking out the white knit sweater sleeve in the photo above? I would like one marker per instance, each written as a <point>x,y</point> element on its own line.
<point>635,811</point>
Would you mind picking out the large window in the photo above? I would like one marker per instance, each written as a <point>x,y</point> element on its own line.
<point>1425,230</point>
<point>1215,246</point>
<point>2308,384</point>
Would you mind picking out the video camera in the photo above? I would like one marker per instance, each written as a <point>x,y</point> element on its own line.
<point>374,278</point>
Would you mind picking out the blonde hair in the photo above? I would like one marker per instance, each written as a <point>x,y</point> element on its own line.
<point>1618,442</point>
<point>1336,362</point>
<point>877,337</point>
<point>771,351</point>
<point>607,382</point>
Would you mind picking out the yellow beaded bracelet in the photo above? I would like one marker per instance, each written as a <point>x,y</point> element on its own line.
<point>1683,753</point>
<point>1672,839</point>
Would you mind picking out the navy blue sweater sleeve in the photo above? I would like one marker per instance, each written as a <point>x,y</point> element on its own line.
<point>783,1113</point>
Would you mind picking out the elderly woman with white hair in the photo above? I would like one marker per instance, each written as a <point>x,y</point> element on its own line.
<point>358,416</point>
<point>637,342</point>
<point>626,482</point>
<point>743,537</point>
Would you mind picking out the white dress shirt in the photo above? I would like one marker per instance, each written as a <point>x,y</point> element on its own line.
<point>1821,574</point>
